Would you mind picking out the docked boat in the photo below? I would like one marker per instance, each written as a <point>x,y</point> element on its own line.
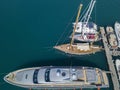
<point>117,31</point>
<point>117,63</point>
<point>86,31</point>
<point>58,77</point>
<point>113,41</point>
<point>109,30</point>
<point>111,37</point>
<point>83,31</point>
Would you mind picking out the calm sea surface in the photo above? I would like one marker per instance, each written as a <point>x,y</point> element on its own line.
<point>30,28</point>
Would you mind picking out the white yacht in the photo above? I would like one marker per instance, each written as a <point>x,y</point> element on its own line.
<point>58,77</point>
<point>117,63</point>
<point>111,37</point>
<point>86,32</point>
<point>117,31</point>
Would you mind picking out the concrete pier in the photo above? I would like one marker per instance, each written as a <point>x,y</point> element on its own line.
<point>109,60</point>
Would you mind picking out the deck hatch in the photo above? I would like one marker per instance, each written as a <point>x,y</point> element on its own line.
<point>91,75</point>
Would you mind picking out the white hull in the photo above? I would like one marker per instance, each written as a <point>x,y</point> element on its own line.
<point>117,63</point>
<point>117,31</point>
<point>93,38</point>
<point>58,77</point>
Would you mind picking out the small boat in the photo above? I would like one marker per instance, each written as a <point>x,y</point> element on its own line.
<point>117,63</point>
<point>117,31</point>
<point>112,37</point>
<point>84,30</point>
<point>58,77</point>
<point>109,30</point>
<point>86,33</point>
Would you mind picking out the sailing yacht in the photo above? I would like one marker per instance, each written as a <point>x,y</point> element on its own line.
<point>87,30</point>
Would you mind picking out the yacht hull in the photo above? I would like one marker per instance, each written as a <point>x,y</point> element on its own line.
<point>80,38</point>
<point>117,31</point>
<point>117,63</point>
<point>73,77</point>
<point>75,51</point>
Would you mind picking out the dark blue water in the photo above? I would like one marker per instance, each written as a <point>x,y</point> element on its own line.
<point>30,28</point>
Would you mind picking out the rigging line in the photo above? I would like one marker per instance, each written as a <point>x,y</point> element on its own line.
<point>66,27</point>
<point>62,35</point>
<point>96,12</point>
<point>67,36</point>
<point>88,11</point>
<point>84,13</point>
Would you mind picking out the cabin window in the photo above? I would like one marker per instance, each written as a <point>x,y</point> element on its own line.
<point>47,74</point>
<point>35,76</point>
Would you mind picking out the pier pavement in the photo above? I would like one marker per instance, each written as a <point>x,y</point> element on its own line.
<point>109,60</point>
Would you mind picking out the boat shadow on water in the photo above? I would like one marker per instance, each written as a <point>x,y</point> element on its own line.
<point>69,61</point>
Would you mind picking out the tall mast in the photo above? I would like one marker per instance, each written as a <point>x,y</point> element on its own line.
<point>72,40</point>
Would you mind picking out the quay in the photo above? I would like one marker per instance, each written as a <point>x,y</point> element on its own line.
<point>109,60</point>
